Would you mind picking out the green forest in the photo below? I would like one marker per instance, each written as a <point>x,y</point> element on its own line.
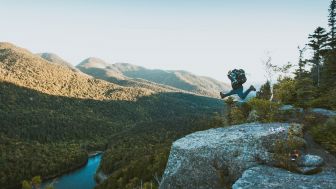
<point>48,135</point>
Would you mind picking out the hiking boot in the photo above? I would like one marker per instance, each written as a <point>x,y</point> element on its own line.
<point>252,88</point>
<point>222,95</point>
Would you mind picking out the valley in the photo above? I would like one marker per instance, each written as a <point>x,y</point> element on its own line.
<point>52,117</point>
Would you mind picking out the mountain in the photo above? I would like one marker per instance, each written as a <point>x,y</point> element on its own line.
<point>100,69</point>
<point>51,57</point>
<point>52,117</point>
<point>98,63</point>
<point>22,68</point>
<point>178,79</point>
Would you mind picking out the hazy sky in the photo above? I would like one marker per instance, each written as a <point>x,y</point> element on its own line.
<point>205,37</point>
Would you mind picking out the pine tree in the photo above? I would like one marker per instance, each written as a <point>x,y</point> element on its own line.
<point>332,24</point>
<point>305,92</point>
<point>265,91</point>
<point>300,72</point>
<point>318,43</point>
<point>329,72</point>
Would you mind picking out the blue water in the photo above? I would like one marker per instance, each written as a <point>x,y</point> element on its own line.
<point>82,178</point>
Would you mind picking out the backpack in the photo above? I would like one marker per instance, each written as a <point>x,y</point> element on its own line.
<point>237,77</point>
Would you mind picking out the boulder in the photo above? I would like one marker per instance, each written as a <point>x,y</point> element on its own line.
<point>310,164</point>
<point>323,112</point>
<point>215,158</point>
<point>310,161</point>
<point>265,177</point>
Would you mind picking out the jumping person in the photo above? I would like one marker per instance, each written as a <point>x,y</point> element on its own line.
<point>237,78</point>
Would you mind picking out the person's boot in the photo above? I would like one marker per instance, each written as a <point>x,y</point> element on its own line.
<point>252,88</point>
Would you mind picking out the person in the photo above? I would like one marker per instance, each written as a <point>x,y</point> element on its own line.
<point>238,78</point>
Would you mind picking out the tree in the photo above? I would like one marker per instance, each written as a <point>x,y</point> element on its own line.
<point>329,72</point>
<point>282,70</point>
<point>269,68</point>
<point>272,70</point>
<point>301,64</point>
<point>26,185</point>
<point>265,110</point>
<point>285,91</point>
<point>265,91</point>
<point>230,103</point>
<point>305,92</point>
<point>318,42</point>
<point>237,116</point>
<point>332,24</point>
<point>36,181</point>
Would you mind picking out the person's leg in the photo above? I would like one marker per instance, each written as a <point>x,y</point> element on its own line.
<point>232,92</point>
<point>243,95</point>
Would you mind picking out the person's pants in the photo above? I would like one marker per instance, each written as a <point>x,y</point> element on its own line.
<point>239,92</point>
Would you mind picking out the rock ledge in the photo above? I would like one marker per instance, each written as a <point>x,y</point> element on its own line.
<point>264,177</point>
<point>216,158</point>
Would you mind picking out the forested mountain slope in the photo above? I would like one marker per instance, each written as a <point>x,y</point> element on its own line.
<point>20,67</point>
<point>51,117</point>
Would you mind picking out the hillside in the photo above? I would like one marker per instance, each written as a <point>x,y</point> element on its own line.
<point>102,70</point>
<point>51,57</point>
<point>178,79</point>
<point>51,117</point>
<point>20,67</point>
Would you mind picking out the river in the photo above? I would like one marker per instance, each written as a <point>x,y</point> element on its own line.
<point>82,178</point>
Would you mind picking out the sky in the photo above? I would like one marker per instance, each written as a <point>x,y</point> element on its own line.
<point>205,37</point>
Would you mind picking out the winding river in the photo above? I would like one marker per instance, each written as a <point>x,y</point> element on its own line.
<point>82,178</point>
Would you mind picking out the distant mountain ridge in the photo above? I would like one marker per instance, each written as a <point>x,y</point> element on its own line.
<point>23,68</point>
<point>98,68</point>
<point>182,80</point>
<point>129,75</point>
<point>51,57</point>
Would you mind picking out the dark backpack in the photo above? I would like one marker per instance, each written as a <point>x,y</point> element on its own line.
<point>237,77</point>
